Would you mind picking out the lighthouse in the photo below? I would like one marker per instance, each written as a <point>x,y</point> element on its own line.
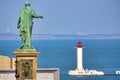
<point>80,70</point>
<point>79,56</point>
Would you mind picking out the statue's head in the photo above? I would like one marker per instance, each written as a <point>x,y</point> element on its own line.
<point>27,3</point>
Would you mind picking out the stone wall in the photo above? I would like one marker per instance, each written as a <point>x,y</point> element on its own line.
<point>48,74</point>
<point>7,74</point>
<point>42,74</point>
<point>7,63</point>
<point>7,70</point>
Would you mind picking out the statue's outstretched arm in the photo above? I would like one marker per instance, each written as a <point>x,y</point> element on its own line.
<point>35,15</point>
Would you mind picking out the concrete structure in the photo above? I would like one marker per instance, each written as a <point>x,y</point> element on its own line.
<point>80,70</point>
<point>26,64</point>
<point>42,74</point>
<point>6,62</point>
<point>7,70</point>
<point>79,56</point>
<point>118,72</point>
<point>48,74</point>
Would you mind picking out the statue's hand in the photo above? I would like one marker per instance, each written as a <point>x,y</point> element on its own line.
<point>41,17</point>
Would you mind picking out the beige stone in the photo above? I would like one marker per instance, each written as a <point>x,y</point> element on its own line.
<point>5,62</point>
<point>24,56</point>
<point>13,63</point>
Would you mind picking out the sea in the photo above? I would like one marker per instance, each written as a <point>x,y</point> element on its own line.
<point>98,54</point>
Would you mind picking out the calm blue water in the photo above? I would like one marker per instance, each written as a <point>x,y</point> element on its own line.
<point>98,54</point>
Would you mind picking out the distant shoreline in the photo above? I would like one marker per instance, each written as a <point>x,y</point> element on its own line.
<point>61,36</point>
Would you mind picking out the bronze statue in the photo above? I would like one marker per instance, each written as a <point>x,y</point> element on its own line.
<point>26,69</point>
<point>25,23</point>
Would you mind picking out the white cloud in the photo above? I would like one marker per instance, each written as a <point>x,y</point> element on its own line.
<point>80,33</point>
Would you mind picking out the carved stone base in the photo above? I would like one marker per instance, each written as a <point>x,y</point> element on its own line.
<point>26,64</point>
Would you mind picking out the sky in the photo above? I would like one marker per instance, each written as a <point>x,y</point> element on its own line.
<point>64,16</point>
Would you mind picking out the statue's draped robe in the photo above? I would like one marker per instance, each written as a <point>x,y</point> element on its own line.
<point>25,24</point>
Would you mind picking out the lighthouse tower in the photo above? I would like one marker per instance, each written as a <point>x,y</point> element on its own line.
<point>80,70</point>
<point>79,56</point>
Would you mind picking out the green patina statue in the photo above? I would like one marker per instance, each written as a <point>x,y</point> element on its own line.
<point>25,24</point>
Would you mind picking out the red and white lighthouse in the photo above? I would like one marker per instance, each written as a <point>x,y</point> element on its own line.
<point>79,56</point>
<point>80,70</point>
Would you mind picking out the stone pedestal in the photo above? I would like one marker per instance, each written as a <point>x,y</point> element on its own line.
<point>26,64</point>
